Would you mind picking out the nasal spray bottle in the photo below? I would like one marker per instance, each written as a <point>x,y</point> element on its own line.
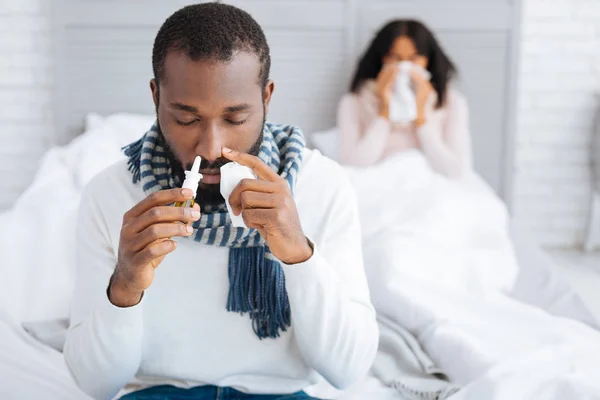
<point>191,181</point>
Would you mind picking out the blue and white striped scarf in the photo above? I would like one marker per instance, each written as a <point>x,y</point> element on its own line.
<point>256,279</point>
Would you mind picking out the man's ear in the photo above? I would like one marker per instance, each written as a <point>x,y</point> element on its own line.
<point>154,89</point>
<point>269,87</point>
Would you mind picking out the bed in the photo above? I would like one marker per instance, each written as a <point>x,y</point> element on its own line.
<point>528,318</point>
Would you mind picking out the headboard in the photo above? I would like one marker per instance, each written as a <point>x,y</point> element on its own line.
<point>104,60</point>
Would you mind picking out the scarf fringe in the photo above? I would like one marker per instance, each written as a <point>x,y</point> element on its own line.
<point>257,287</point>
<point>133,151</point>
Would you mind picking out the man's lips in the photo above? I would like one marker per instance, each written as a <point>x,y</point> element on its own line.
<point>211,177</point>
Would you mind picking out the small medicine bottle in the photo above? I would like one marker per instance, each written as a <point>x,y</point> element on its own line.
<point>191,181</point>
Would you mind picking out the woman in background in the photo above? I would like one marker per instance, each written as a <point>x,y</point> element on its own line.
<point>440,129</point>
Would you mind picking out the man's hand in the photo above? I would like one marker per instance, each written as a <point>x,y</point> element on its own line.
<point>267,205</point>
<point>146,240</point>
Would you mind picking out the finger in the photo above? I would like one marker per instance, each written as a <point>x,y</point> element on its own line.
<point>390,80</point>
<point>389,67</point>
<point>262,232</point>
<point>384,78</point>
<point>153,251</point>
<point>160,198</point>
<point>384,74</point>
<point>417,76</point>
<point>158,232</point>
<point>250,185</point>
<point>393,73</point>
<point>257,218</point>
<point>256,200</point>
<point>262,170</point>
<point>164,214</point>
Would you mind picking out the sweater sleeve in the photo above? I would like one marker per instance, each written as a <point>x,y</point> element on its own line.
<point>360,146</point>
<point>332,316</point>
<point>446,144</point>
<point>103,346</point>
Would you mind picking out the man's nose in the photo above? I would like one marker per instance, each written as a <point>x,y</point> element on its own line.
<point>210,145</point>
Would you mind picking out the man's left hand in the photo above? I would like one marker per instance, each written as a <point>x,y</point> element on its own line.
<point>267,205</point>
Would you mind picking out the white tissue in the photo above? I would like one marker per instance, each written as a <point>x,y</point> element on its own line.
<point>231,174</point>
<point>403,105</point>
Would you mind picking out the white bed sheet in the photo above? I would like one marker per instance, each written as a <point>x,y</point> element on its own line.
<point>30,369</point>
<point>537,282</point>
<point>540,284</point>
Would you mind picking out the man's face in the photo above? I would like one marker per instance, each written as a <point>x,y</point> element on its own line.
<point>203,106</point>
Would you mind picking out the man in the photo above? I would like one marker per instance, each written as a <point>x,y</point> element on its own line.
<point>174,302</point>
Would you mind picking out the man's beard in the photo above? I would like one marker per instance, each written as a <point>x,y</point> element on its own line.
<point>206,195</point>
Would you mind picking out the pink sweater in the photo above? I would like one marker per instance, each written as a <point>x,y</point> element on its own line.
<point>366,138</point>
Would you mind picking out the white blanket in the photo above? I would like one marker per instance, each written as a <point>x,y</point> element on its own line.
<point>440,263</point>
<point>31,370</point>
<point>419,223</point>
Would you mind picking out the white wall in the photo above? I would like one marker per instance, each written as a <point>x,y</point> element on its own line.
<point>25,93</point>
<point>559,73</point>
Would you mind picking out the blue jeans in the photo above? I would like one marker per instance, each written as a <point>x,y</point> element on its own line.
<point>168,392</point>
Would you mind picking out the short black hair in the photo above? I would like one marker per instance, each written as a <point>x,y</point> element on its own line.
<point>210,31</point>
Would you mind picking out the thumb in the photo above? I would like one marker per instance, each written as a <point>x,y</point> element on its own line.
<point>263,233</point>
<point>416,76</point>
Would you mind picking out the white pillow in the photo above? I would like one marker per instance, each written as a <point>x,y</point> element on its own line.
<point>327,142</point>
<point>108,138</point>
<point>39,239</point>
<point>92,121</point>
<point>141,122</point>
<point>38,264</point>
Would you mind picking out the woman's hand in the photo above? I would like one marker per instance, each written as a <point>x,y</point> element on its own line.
<point>423,90</point>
<point>384,87</point>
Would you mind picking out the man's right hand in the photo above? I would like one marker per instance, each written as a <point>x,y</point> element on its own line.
<point>145,241</point>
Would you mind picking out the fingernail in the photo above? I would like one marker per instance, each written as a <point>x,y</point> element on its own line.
<point>195,214</point>
<point>227,150</point>
<point>189,229</point>
<point>186,192</point>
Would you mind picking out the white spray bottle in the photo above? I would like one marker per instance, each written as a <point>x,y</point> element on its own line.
<point>191,181</point>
